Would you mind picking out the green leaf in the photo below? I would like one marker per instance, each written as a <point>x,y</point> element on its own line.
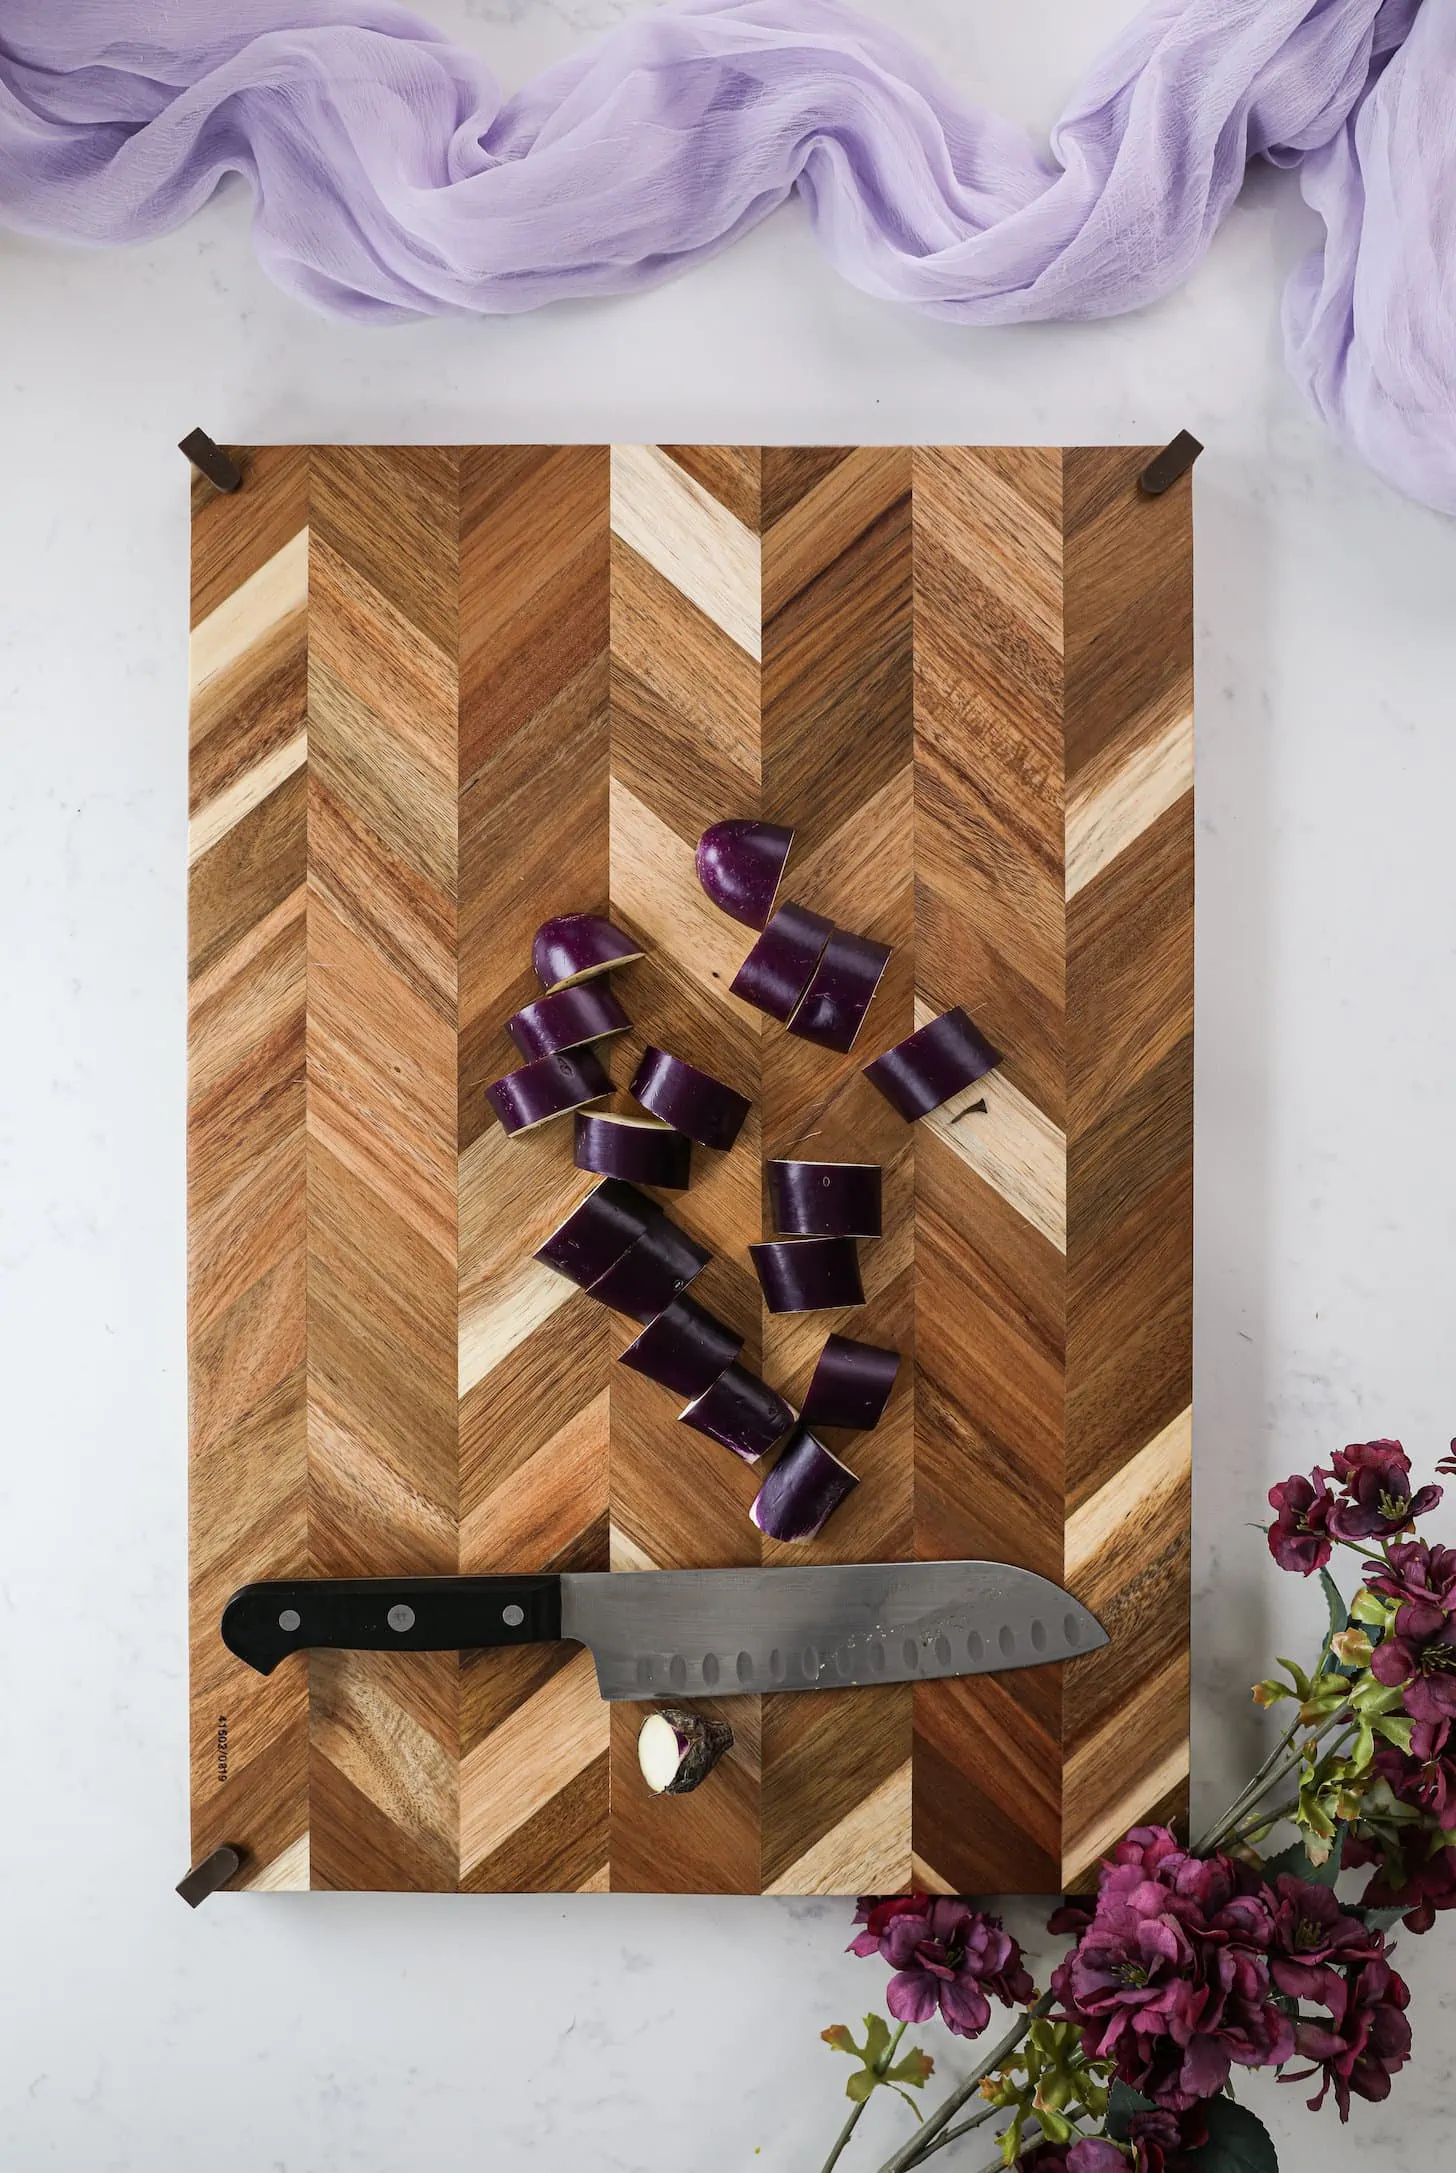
<point>860,2084</point>
<point>1299,1864</point>
<point>915,2069</point>
<point>1339,1612</point>
<point>877,2039</point>
<point>1238,2141</point>
<point>1122,2103</point>
<point>1380,1920</point>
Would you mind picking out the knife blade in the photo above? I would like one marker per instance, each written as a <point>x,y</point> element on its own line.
<point>655,1633</point>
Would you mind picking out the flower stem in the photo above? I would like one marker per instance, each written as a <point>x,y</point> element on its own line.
<point>911,2152</point>
<point>884,2062</point>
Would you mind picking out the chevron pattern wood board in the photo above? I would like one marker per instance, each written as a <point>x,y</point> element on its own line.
<point>439,694</point>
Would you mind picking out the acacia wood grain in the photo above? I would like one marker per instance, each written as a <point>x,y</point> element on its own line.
<point>439,695</point>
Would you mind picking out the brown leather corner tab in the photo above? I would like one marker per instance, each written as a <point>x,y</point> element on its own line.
<point>1164,469</point>
<point>210,460</point>
<point>214,1871</point>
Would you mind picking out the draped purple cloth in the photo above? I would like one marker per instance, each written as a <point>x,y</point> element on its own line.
<point>390,177</point>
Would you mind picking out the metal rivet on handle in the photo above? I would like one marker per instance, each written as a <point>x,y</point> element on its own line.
<point>513,1616</point>
<point>401,1617</point>
<point>290,1619</point>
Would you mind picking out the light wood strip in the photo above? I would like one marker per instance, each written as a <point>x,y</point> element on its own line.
<point>1087,1845</point>
<point>690,537</point>
<point>863,1853</point>
<point>1010,1143</point>
<point>1160,1469</point>
<point>1105,812</point>
<point>530,1758</point>
<point>219,815</point>
<point>251,613</point>
<point>286,1873</point>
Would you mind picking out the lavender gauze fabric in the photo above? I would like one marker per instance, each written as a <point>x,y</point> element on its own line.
<point>390,177</point>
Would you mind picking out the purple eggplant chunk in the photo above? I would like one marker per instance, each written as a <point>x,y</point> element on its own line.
<point>692,1101</point>
<point>851,1384</point>
<point>585,1011</point>
<point>824,1199</point>
<point>677,1748</point>
<point>641,1149</point>
<point>834,1004</point>
<point>740,866</point>
<point>597,1232</point>
<point>802,1491</point>
<point>550,1087</point>
<point>931,1065</point>
<point>741,1413</point>
<point>577,947</point>
<point>651,1272</point>
<point>685,1348</point>
<point>808,1274</point>
<point>781,964</point>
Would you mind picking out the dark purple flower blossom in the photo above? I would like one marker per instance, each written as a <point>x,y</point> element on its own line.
<point>1377,1500</point>
<point>1426,1777</point>
<point>1161,2141</point>
<point>1420,1655</point>
<point>1314,1939</point>
<point>1365,2041</point>
<point>1088,2154</point>
<point>877,1913</point>
<point>1299,1537</point>
<point>1425,1887</point>
<point>1171,1980</point>
<point>949,1956</point>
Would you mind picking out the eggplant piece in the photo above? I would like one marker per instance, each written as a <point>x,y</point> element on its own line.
<point>552,1086</point>
<point>824,1199</point>
<point>685,1348</point>
<point>597,1232</point>
<point>583,1011</point>
<point>803,1490</point>
<point>677,1748</point>
<point>651,1272</point>
<point>781,964</point>
<point>741,1413</point>
<point>577,947</point>
<point>641,1149</point>
<point>808,1274</point>
<point>932,1064</point>
<point>851,1384</point>
<point>690,1100</point>
<point>833,1006</point>
<point>740,866</point>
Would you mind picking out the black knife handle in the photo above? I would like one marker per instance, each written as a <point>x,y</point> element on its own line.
<point>263,1623</point>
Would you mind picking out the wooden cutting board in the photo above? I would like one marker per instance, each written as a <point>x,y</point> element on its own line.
<point>441,694</point>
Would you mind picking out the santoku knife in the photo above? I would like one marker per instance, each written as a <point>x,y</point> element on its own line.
<point>655,1632</point>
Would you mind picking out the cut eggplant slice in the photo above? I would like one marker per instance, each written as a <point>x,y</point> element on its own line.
<point>692,1101</point>
<point>823,1199</point>
<point>740,866</point>
<point>642,1149</point>
<point>677,1749</point>
<point>802,1491</point>
<point>584,1011</point>
<point>685,1348</point>
<point>741,1412</point>
<point>851,1384</point>
<point>577,947</point>
<point>597,1232</point>
<point>931,1065</point>
<point>781,964</point>
<point>552,1086</point>
<point>651,1272</point>
<point>834,1004</point>
<point>808,1274</point>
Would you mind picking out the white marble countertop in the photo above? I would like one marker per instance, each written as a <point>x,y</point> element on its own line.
<point>349,2034</point>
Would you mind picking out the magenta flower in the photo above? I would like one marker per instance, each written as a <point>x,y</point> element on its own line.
<point>1299,1537</point>
<point>1314,1939</point>
<point>1161,2141</point>
<point>1089,2154</point>
<point>877,1913</point>
<point>1377,1499</point>
<point>1420,1657</point>
<point>1426,1887</point>
<point>1366,2040</point>
<point>951,1957</point>
<point>1171,1980</point>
